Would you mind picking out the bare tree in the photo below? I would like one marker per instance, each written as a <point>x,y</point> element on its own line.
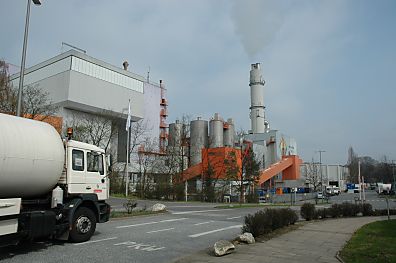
<point>7,95</point>
<point>93,129</point>
<point>138,134</point>
<point>352,165</point>
<point>312,174</point>
<point>148,160</point>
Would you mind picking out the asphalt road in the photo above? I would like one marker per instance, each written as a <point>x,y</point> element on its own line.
<point>377,201</point>
<point>186,229</point>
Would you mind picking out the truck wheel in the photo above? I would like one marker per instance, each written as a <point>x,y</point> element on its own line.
<point>84,225</point>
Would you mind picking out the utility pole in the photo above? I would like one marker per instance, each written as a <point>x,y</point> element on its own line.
<point>360,182</point>
<point>320,167</point>
<point>363,189</point>
<point>393,174</point>
<point>24,48</point>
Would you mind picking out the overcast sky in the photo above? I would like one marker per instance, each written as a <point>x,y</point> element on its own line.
<point>329,66</point>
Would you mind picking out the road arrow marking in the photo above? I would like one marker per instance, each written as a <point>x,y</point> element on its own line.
<point>160,230</point>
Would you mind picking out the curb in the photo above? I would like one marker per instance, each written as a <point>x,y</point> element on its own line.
<point>337,256</point>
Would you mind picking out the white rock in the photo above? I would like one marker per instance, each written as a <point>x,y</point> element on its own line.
<point>158,207</point>
<point>223,247</point>
<point>246,238</point>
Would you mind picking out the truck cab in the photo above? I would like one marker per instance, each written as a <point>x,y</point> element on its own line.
<point>86,170</point>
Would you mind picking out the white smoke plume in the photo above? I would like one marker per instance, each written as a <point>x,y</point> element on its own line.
<point>257,23</point>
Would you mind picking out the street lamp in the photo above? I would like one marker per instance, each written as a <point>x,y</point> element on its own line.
<point>320,167</point>
<point>393,175</point>
<point>22,73</point>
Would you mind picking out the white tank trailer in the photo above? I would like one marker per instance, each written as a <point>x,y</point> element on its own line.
<point>31,157</point>
<point>198,140</point>
<point>216,126</point>
<point>48,187</point>
<point>257,114</point>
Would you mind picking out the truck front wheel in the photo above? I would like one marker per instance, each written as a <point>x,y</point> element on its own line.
<point>84,225</point>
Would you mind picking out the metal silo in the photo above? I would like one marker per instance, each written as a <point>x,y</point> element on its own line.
<point>198,139</point>
<point>229,133</point>
<point>216,132</point>
<point>175,134</point>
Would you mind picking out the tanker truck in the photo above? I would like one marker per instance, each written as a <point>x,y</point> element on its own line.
<point>49,187</point>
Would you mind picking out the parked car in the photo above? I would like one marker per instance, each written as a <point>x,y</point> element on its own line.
<point>319,195</point>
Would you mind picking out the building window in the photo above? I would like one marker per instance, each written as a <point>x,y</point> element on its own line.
<point>78,160</point>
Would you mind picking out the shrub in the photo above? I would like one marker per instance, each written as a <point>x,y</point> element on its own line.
<point>290,215</point>
<point>130,205</point>
<point>349,209</point>
<point>257,224</point>
<point>276,218</point>
<point>367,209</point>
<point>322,213</point>
<point>335,211</point>
<point>308,211</point>
<point>265,221</point>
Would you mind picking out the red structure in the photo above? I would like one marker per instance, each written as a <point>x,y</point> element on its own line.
<point>163,125</point>
<point>289,166</point>
<point>219,159</point>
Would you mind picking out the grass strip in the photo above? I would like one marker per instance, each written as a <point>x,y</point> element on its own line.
<point>374,242</point>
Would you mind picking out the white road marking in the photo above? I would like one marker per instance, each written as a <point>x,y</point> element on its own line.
<point>235,217</point>
<point>154,222</point>
<point>203,223</point>
<point>188,206</point>
<point>214,231</point>
<point>160,230</point>
<point>94,241</point>
<point>199,211</point>
<point>215,215</point>
<point>139,246</point>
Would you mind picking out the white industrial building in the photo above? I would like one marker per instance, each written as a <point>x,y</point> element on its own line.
<point>82,86</point>
<point>328,174</point>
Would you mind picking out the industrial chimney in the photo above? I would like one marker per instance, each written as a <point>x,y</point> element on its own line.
<point>257,115</point>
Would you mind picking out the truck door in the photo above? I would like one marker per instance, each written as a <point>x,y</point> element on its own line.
<point>95,177</point>
<point>77,173</point>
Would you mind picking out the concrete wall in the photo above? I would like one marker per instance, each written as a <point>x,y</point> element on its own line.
<point>92,93</point>
<point>151,106</point>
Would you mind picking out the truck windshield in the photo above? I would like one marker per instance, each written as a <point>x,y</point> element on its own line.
<point>101,170</point>
<point>95,162</point>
